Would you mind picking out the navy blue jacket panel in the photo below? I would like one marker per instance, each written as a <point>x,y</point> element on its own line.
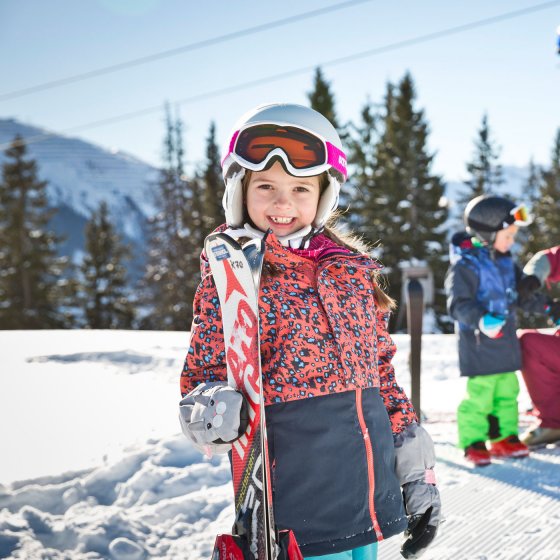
<point>322,471</point>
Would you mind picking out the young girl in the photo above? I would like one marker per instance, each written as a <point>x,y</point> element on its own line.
<point>343,436</point>
<point>482,288</point>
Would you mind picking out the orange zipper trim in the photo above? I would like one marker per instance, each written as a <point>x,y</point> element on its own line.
<point>370,466</point>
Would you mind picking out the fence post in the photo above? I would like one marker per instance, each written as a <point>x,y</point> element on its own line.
<point>415,312</point>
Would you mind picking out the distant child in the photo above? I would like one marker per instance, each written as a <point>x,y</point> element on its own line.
<point>541,356</point>
<point>343,436</point>
<point>482,297</point>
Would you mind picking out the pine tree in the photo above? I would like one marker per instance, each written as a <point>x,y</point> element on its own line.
<point>408,203</point>
<point>547,206</point>
<point>321,98</point>
<point>531,238</point>
<point>213,185</point>
<point>363,199</point>
<point>173,270</point>
<point>104,295</point>
<point>33,289</point>
<point>485,171</point>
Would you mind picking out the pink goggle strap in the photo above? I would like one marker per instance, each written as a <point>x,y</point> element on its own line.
<point>337,159</point>
<point>231,145</point>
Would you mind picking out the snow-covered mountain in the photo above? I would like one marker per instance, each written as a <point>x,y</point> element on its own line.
<point>80,175</point>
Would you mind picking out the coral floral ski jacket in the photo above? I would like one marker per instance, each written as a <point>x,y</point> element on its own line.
<point>321,332</point>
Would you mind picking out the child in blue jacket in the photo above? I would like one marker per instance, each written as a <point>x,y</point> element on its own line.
<point>482,291</point>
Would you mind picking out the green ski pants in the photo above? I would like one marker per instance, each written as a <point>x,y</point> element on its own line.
<point>490,410</point>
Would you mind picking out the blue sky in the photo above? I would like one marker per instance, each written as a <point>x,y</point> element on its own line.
<point>508,69</point>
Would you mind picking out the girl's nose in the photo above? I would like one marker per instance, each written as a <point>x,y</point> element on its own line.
<point>282,200</point>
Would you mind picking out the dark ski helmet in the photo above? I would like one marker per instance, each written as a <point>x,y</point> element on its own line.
<point>487,214</point>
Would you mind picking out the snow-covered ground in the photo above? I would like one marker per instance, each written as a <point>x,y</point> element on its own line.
<point>92,464</point>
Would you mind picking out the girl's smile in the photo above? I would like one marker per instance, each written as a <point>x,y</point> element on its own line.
<point>281,202</point>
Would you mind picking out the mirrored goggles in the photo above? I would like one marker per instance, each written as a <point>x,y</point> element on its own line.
<point>303,153</point>
<point>520,216</point>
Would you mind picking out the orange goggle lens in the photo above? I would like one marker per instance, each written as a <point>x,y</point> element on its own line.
<point>520,214</point>
<point>302,148</point>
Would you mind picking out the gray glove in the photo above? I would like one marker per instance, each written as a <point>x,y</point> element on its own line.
<point>538,266</point>
<point>212,416</point>
<point>415,459</point>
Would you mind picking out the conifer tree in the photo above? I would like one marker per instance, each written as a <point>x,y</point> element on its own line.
<point>547,205</point>
<point>485,171</point>
<point>33,289</point>
<point>531,238</point>
<point>408,197</point>
<point>104,296</point>
<point>321,98</point>
<point>213,185</point>
<point>171,276</point>
<point>363,199</point>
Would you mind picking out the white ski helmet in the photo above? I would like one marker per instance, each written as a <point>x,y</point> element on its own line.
<point>306,143</point>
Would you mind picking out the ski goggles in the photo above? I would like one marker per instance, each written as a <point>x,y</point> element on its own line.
<point>520,216</point>
<point>304,153</point>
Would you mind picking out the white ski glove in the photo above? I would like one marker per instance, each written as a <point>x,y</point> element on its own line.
<point>415,460</point>
<point>212,416</point>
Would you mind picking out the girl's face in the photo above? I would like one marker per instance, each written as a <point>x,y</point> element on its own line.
<point>278,201</point>
<point>505,238</point>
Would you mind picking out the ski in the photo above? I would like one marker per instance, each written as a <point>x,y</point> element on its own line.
<point>236,271</point>
<point>415,312</point>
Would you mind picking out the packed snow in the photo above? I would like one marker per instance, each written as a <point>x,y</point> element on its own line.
<point>93,464</point>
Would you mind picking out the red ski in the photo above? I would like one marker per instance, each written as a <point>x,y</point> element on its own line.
<point>236,271</point>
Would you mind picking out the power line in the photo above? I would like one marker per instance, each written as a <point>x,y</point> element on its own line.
<point>178,50</point>
<point>277,77</point>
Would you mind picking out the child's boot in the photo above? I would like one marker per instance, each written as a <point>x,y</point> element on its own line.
<point>509,447</point>
<point>477,454</point>
<point>540,436</point>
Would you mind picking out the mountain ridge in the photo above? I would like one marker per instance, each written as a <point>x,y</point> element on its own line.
<point>79,176</point>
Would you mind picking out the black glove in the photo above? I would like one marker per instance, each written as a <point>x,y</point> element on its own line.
<point>419,535</point>
<point>554,311</point>
<point>414,462</point>
<point>422,528</point>
<point>526,286</point>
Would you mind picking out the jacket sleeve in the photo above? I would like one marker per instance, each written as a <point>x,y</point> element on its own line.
<point>399,408</point>
<point>205,361</point>
<point>545,265</point>
<point>461,284</point>
<point>553,256</point>
<point>536,302</point>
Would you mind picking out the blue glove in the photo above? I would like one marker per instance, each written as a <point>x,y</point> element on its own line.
<point>491,325</point>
